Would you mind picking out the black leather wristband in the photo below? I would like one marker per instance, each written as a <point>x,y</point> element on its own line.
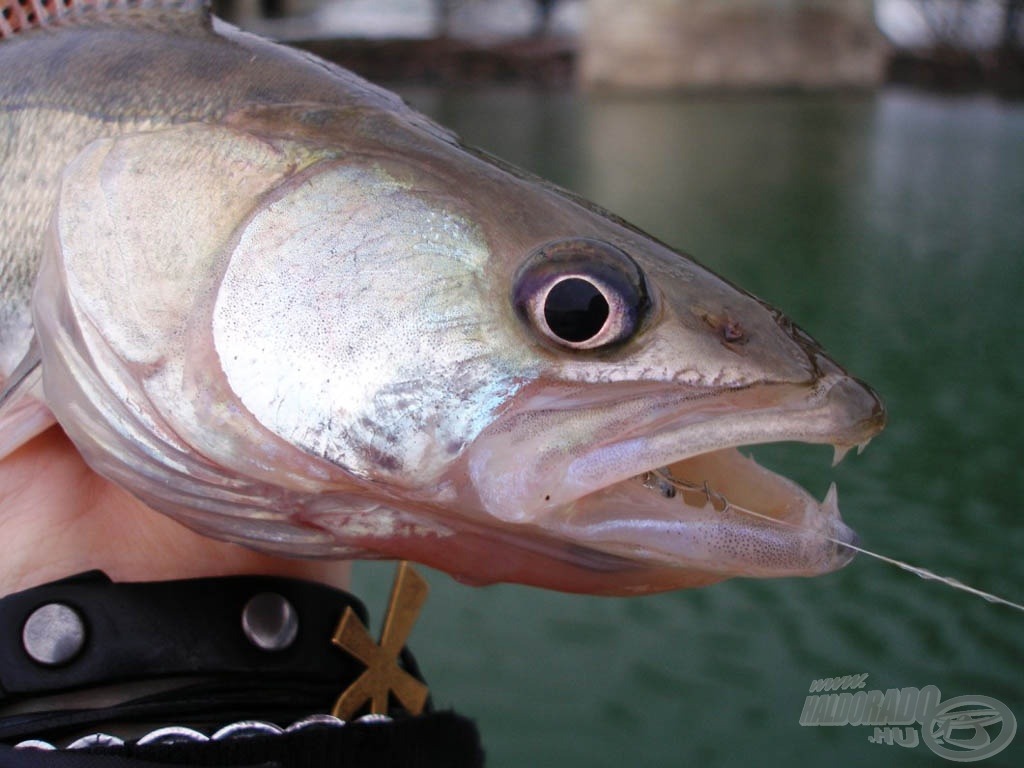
<point>168,632</point>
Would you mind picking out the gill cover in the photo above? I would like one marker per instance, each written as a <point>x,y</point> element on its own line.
<point>142,234</point>
<point>276,344</point>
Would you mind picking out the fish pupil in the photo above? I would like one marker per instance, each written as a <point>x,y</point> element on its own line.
<point>575,310</point>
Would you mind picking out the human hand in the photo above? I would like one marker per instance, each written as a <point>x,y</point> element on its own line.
<point>58,518</point>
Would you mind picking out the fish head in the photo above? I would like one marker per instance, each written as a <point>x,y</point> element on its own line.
<point>408,349</point>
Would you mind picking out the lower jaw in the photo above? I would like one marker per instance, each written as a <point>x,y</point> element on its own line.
<point>719,513</point>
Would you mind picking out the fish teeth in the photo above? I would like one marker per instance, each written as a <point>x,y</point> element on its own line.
<point>840,453</point>
<point>830,504</point>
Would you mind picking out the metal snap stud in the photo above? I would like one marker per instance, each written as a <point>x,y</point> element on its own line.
<point>53,634</point>
<point>35,744</point>
<point>315,720</point>
<point>270,622</point>
<point>173,734</point>
<point>96,740</point>
<point>245,728</point>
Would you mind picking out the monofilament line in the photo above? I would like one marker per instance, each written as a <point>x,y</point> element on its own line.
<point>923,573</point>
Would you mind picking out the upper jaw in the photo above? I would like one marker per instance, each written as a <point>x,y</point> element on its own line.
<point>837,410</point>
<point>553,449</point>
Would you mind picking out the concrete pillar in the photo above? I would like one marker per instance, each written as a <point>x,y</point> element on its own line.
<point>694,44</point>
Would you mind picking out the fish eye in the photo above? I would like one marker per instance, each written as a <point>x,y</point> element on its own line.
<point>575,309</point>
<point>581,293</point>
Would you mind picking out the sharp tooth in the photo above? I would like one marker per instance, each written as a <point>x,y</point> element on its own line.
<point>830,505</point>
<point>840,453</point>
<point>862,446</point>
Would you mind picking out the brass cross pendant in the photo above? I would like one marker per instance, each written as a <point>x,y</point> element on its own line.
<point>383,676</point>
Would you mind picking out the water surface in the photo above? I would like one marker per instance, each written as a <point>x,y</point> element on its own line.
<point>892,228</point>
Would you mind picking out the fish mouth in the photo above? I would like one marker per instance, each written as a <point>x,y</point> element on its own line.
<point>719,512</point>
<point>676,492</point>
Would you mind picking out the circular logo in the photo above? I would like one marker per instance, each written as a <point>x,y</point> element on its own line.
<point>959,728</point>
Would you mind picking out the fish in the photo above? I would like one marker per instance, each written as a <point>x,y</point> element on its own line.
<point>274,302</point>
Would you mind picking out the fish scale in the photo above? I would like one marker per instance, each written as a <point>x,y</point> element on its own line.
<point>101,79</point>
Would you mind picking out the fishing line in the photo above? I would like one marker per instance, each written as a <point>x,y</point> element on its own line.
<point>923,573</point>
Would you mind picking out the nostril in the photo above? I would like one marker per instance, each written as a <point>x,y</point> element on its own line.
<point>733,332</point>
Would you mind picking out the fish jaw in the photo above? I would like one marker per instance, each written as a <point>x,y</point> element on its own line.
<point>594,496</point>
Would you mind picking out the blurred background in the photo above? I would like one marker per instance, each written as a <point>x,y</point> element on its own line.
<point>658,44</point>
<point>858,164</point>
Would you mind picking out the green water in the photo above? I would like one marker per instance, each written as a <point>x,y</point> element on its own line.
<point>892,228</point>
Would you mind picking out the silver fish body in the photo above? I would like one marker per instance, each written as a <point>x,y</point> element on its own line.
<point>65,86</point>
<point>277,304</point>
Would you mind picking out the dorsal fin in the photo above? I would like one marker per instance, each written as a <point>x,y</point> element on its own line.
<point>20,15</point>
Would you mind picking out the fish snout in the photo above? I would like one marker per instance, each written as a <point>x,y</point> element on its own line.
<point>858,413</point>
<point>858,409</point>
